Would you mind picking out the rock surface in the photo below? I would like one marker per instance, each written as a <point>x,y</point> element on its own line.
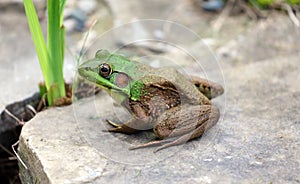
<point>54,157</point>
<point>255,141</point>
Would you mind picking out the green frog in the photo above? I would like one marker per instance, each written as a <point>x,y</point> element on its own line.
<point>176,107</point>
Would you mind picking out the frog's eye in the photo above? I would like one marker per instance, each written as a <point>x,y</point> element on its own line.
<point>104,70</point>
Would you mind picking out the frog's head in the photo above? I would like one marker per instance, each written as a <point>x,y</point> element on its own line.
<point>111,72</point>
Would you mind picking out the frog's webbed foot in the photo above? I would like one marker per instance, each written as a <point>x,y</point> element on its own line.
<point>151,143</point>
<point>120,128</point>
<point>165,143</point>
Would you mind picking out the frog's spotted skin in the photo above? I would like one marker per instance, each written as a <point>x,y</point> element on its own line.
<point>162,99</point>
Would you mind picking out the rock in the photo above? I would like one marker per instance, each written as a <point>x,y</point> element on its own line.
<point>71,160</point>
<point>262,41</point>
<point>213,5</point>
<point>70,25</point>
<point>254,141</point>
<point>87,6</point>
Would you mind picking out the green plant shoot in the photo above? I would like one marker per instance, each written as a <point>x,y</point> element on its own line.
<point>50,55</point>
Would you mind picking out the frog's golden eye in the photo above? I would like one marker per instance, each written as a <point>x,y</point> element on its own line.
<point>104,70</point>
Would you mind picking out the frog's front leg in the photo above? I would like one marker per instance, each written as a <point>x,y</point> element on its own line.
<point>180,124</point>
<point>131,126</point>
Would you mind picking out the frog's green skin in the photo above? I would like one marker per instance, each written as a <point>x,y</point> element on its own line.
<point>177,108</point>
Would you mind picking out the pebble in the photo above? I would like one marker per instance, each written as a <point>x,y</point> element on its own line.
<point>213,5</point>
<point>87,6</point>
<point>77,14</point>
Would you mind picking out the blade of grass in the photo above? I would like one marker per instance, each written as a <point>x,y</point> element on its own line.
<point>63,30</point>
<point>55,48</point>
<point>51,56</point>
<point>38,39</point>
<point>62,49</point>
<point>61,11</point>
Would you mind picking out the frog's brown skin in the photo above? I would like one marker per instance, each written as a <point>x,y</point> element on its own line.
<point>178,109</point>
<point>177,131</point>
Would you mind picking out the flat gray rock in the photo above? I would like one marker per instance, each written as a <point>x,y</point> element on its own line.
<point>55,152</point>
<point>255,141</point>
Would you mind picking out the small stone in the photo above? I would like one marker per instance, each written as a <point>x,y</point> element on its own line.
<point>87,6</point>
<point>70,25</point>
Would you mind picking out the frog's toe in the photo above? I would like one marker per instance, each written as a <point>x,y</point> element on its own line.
<point>117,129</point>
<point>121,128</point>
<point>114,124</point>
<point>151,143</point>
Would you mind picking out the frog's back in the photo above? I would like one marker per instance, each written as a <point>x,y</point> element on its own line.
<point>162,89</point>
<point>187,90</point>
<point>157,95</point>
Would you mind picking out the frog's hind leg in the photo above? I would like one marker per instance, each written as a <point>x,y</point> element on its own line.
<point>197,132</point>
<point>189,136</point>
<point>165,143</point>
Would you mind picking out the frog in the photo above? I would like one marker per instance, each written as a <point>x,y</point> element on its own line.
<point>175,106</point>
